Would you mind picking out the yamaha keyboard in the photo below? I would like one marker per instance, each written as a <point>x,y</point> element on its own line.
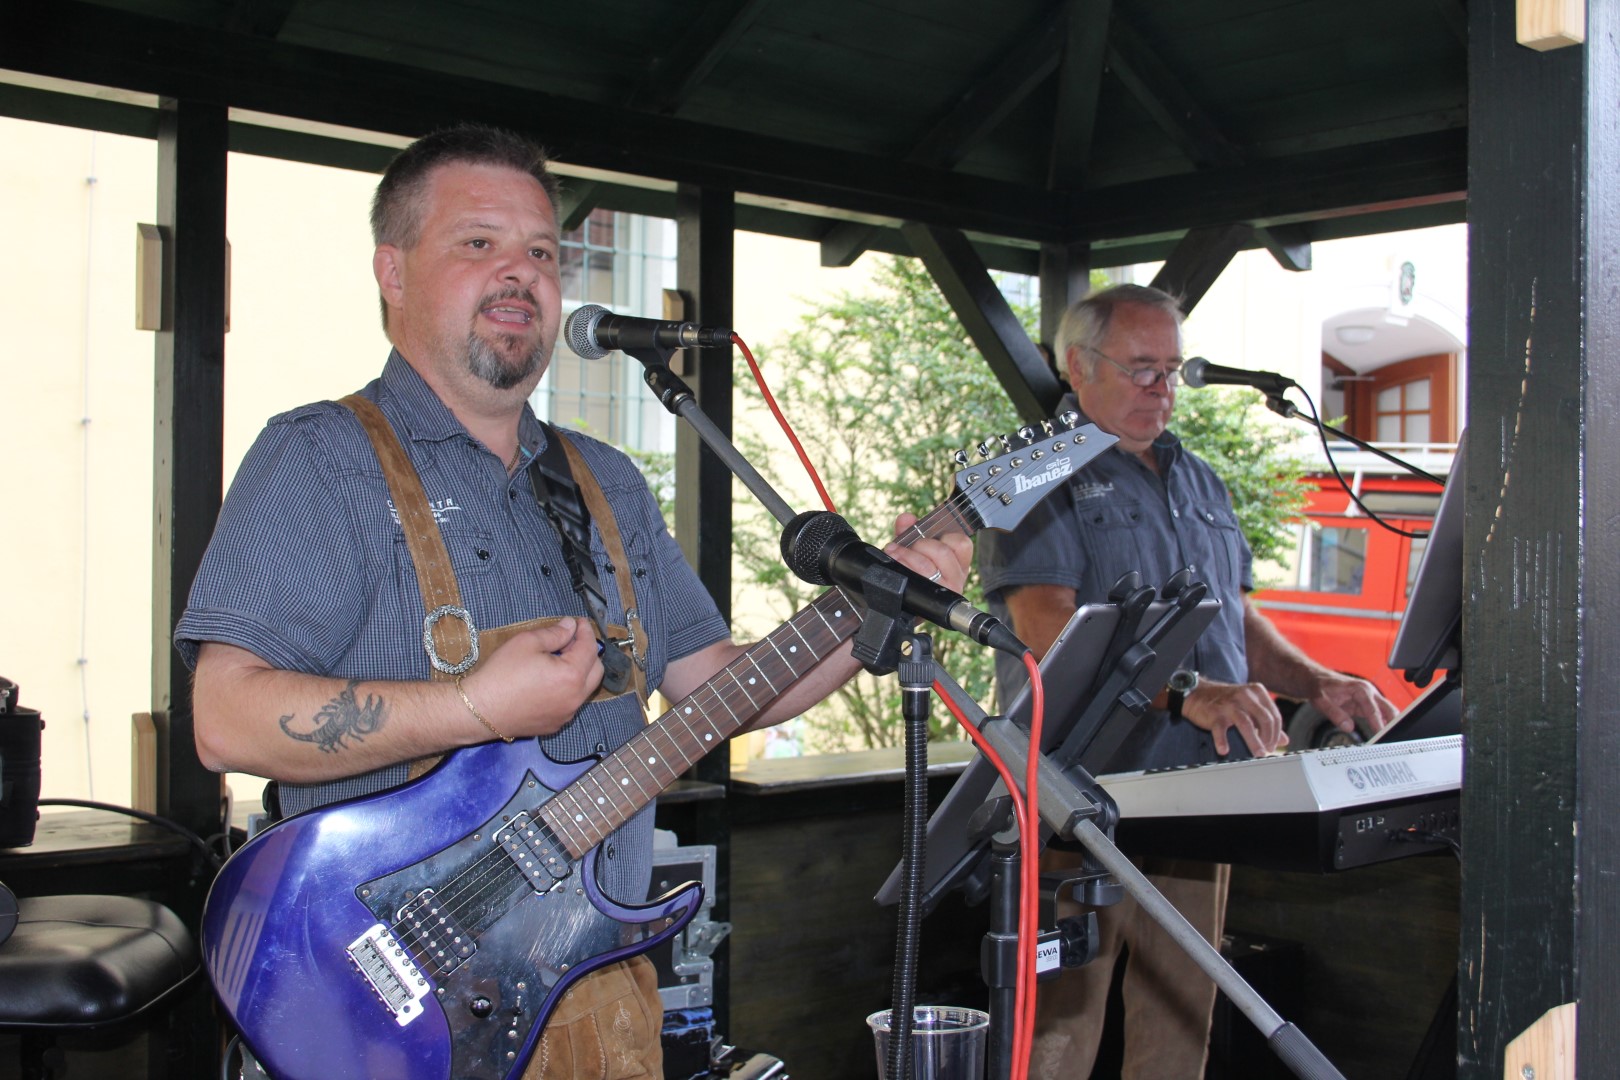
<point>1329,809</point>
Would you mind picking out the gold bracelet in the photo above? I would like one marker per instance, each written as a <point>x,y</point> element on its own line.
<point>476,714</point>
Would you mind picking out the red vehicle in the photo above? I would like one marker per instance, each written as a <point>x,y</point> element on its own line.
<point>1348,586</point>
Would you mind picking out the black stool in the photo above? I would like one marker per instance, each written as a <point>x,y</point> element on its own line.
<point>86,964</point>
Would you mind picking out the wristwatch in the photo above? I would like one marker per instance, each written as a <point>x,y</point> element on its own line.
<point>1182,683</point>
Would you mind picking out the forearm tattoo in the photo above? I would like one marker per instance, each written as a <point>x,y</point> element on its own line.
<point>340,719</point>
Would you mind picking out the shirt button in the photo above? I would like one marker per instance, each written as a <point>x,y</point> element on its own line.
<point>611,851</point>
<point>601,748</point>
<point>1175,513</point>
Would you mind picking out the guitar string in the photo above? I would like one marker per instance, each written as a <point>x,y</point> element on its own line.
<point>473,882</point>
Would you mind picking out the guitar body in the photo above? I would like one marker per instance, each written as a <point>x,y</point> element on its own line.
<point>384,937</point>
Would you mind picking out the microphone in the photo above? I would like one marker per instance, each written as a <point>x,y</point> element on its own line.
<point>820,547</point>
<point>594,331</point>
<point>1200,372</point>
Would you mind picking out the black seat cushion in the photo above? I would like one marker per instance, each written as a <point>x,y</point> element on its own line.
<point>85,961</point>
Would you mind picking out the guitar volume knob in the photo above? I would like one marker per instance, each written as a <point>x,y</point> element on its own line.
<point>481,1006</point>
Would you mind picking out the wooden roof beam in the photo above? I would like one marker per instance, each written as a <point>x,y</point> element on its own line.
<point>1290,245</point>
<point>972,114</point>
<point>980,107</point>
<point>577,200</point>
<point>708,37</point>
<point>1085,49</point>
<point>1171,105</point>
<point>1199,259</point>
<point>260,18</point>
<point>987,317</point>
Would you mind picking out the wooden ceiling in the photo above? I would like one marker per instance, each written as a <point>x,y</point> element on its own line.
<point>1022,122</point>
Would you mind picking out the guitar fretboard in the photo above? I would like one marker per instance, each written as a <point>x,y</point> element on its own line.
<point>605,797</point>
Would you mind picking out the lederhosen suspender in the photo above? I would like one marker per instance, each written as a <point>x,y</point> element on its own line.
<point>450,638</point>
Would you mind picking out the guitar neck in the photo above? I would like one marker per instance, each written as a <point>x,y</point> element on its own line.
<point>604,798</point>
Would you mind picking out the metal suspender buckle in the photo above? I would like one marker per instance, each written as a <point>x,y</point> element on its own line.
<point>428,644</point>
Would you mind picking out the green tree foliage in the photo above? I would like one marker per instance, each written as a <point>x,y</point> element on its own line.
<point>882,389</point>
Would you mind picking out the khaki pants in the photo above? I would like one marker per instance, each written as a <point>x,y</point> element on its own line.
<point>606,1027</point>
<point>1168,998</point>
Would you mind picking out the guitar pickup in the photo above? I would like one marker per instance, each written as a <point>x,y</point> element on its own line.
<point>385,964</point>
<point>445,945</point>
<point>536,852</point>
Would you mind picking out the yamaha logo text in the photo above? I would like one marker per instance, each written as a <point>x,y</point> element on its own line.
<point>1381,775</point>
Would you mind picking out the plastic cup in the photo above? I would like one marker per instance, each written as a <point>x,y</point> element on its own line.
<point>947,1042</point>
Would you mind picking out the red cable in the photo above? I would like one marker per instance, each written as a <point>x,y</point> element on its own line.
<point>1024,811</point>
<point>770,400</point>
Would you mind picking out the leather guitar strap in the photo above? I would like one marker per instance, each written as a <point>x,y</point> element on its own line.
<point>448,628</point>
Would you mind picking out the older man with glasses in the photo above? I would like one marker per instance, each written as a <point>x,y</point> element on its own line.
<point>1149,505</point>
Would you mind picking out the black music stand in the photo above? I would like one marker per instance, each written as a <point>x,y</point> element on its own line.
<point>1099,676</point>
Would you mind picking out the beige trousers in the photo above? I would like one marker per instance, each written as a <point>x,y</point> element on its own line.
<point>1168,998</point>
<point>606,1027</point>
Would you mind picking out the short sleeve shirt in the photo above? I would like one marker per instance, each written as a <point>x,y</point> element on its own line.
<point>308,569</point>
<point>1117,515</point>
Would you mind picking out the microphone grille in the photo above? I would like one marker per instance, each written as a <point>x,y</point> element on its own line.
<point>807,538</point>
<point>581,331</point>
<point>1192,372</point>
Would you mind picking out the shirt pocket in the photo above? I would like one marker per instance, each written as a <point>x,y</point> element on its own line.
<point>473,559</point>
<point>1225,539</point>
<point>1115,515</point>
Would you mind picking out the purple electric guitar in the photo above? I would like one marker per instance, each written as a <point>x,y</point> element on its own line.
<point>426,931</point>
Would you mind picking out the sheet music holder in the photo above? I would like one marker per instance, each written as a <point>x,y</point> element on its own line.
<point>1429,637</point>
<point>1070,676</point>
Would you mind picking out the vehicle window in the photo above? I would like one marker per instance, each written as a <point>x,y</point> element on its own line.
<point>1338,559</point>
<point>1415,560</point>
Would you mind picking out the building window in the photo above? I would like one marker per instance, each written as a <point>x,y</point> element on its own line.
<point>1403,412</point>
<point>623,262</point>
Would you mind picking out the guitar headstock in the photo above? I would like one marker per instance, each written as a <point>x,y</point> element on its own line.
<point>1026,467</point>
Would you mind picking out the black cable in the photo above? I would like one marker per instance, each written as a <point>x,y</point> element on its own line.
<point>173,826</point>
<point>1321,431</point>
<point>225,1062</point>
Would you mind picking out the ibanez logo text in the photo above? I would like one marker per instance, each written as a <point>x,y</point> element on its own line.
<point>1055,471</point>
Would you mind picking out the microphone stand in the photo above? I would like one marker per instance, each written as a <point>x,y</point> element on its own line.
<point>884,643</point>
<point>673,393</point>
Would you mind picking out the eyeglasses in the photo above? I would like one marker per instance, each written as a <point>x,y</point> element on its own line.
<point>1144,377</point>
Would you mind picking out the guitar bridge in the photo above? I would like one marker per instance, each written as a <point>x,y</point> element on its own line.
<point>394,976</point>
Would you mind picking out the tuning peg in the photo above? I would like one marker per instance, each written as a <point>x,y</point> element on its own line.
<point>983,449</point>
<point>961,458</point>
<point>1070,418</point>
<point>1026,433</point>
<point>1006,444</point>
<point>1046,427</point>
